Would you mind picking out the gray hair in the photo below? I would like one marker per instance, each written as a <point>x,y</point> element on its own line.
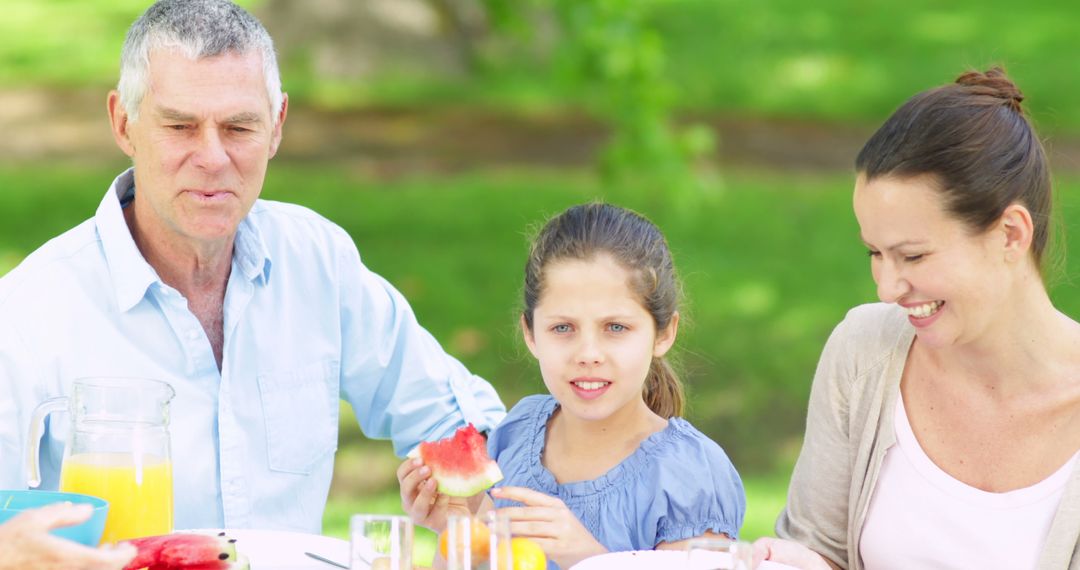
<point>197,29</point>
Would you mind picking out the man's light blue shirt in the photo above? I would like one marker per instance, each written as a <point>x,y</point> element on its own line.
<point>306,324</point>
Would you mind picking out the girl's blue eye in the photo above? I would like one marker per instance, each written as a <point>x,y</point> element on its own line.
<point>616,327</point>
<point>912,258</point>
<point>561,328</point>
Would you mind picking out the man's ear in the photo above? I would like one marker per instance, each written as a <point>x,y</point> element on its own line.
<point>527,334</point>
<point>118,119</point>
<point>1018,230</point>
<point>665,337</point>
<point>275,137</point>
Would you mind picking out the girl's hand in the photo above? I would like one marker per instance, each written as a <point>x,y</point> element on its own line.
<point>421,500</point>
<point>550,523</point>
<point>25,542</point>
<point>790,553</point>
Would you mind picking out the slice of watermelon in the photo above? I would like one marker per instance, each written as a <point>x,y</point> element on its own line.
<point>460,464</point>
<point>186,551</point>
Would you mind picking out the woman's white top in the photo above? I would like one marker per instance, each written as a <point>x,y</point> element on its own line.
<point>921,517</point>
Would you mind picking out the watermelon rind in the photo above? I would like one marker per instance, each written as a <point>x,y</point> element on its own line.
<point>460,463</point>
<point>455,486</point>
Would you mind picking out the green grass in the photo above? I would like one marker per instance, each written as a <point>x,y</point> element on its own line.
<point>851,60</point>
<point>835,60</point>
<point>770,265</point>
<point>838,60</point>
<point>66,43</point>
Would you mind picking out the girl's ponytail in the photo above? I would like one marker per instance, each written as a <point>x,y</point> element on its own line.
<point>663,390</point>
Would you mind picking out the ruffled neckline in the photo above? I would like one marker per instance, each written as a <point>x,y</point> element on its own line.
<point>624,471</point>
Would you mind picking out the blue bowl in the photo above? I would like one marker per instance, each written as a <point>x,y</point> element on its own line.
<point>88,532</point>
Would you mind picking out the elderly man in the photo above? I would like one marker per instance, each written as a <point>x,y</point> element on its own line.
<point>259,314</point>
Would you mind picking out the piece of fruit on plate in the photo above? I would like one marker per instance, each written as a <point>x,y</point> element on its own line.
<point>460,463</point>
<point>187,551</point>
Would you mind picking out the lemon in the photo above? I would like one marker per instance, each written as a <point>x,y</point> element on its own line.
<point>527,554</point>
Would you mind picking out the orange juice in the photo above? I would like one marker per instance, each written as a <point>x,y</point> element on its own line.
<point>140,493</point>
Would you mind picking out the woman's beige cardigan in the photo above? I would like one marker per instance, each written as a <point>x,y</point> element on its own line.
<point>848,429</point>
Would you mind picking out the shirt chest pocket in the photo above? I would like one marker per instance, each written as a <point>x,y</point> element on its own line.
<point>300,408</point>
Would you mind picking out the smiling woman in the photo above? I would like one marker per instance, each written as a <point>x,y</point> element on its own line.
<point>948,416</point>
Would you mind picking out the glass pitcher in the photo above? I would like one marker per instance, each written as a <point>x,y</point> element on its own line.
<point>119,451</point>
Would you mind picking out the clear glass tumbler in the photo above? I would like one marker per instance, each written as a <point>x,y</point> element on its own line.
<point>478,543</point>
<point>380,542</point>
<point>719,553</point>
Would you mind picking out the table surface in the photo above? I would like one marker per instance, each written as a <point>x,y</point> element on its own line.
<point>285,550</point>
<point>666,559</point>
<point>281,550</point>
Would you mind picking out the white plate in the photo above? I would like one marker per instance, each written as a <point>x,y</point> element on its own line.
<point>655,560</point>
<point>284,550</point>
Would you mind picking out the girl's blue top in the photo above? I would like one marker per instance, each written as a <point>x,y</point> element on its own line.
<point>678,484</point>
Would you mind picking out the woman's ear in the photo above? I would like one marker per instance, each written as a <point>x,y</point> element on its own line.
<point>665,337</point>
<point>527,334</point>
<point>1018,229</point>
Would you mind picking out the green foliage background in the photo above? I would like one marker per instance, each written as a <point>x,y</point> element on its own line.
<point>770,258</point>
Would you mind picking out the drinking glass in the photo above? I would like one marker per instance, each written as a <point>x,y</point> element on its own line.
<point>380,542</point>
<point>478,543</point>
<point>718,554</point>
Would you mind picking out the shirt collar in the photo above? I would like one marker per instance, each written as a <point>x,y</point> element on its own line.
<point>131,275</point>
<point>249,250</point>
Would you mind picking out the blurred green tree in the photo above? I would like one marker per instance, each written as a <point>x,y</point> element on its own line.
<point>610,51</point>
<point>605,52</point>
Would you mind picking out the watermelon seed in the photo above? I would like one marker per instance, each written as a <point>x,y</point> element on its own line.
<point>223,556</point>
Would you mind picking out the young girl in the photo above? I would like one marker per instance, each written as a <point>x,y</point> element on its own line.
<point>604,463</point>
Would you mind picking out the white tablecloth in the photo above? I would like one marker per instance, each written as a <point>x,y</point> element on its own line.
<point>283,550</point>
<point>661,559</point>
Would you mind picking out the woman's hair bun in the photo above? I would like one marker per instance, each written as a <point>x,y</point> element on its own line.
<point>995,83</point>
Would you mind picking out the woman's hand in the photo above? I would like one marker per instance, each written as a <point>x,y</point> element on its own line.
<point>550,523</point>
<point>790,553</point>
<point>25,542</point>
<point>420,497</point>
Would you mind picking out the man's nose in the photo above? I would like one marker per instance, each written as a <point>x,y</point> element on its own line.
<point>211,153</point>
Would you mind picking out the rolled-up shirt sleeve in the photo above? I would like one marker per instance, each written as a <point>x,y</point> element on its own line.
<point>401,383</point>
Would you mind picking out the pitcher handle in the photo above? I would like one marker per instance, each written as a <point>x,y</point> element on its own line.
<point>37,429</point>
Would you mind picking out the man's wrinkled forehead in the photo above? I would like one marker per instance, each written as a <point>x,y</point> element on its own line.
<point>184,87</point>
